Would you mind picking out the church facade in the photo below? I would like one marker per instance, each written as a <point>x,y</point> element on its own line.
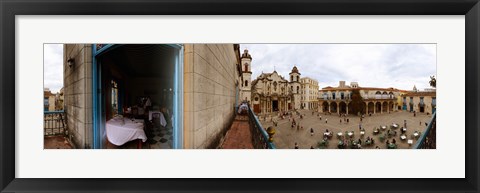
<point>271,92</point>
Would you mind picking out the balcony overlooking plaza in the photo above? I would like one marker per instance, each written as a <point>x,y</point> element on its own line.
<point>55,134</point>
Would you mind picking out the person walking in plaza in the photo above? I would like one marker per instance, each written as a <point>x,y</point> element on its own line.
<point>326,120</point>
<point>311,147</point>
<point>311,131</point>
<point>340,120</point>
<point>296,145</point>
<point>320,117</point>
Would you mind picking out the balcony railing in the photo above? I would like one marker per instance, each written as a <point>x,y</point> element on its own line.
<point>428,139</point>
<point>259,135</point>
<point>54,123</point>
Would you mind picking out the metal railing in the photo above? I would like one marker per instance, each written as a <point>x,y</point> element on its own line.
<point>428,139</point>
<point>259,135</point>
<point>54,123</point>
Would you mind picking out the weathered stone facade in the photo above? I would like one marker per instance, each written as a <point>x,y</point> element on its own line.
<point>246,84</point>
<point>272,92</point>
<point>211,77</point>
<point>78,93</point>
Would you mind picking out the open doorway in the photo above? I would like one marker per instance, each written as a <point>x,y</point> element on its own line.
<point>275,105</point>
<point>138,95</point>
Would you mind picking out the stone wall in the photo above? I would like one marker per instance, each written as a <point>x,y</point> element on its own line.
<point>210,81</point>
<point>78,94</point>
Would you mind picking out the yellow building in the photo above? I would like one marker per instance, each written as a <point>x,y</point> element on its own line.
<point>420,101</point>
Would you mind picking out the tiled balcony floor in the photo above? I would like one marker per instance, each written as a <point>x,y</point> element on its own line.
<point>56,142</point>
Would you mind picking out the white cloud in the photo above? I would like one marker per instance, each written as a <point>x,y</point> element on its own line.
<point>371,65</point>
<point>53,67</point>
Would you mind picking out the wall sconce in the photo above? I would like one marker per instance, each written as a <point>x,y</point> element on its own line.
<point>71,62</point>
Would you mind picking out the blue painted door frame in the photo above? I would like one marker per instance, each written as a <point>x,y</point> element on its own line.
<point>99,103</point>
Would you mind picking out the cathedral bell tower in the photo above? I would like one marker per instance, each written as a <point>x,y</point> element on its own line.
<point>246,88</point>
<point>295,87</point>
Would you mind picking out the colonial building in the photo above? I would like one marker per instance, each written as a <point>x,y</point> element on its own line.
<point>245,89</point>
<point>309,93</point>
<point>420,101</point>
<point>375,100</point>
<point>271,92</point>
<point>48,100</point>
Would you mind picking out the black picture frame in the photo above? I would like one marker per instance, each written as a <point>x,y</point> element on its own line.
<point>9,9</point>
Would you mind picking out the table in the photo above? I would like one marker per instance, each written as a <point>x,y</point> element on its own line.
<point>163,121</point>
<point>384,127</point>
<point>340,134</point>
<point>120,130</point>
<point>362,132</point>
<point>415,134</point>
<point>350,133</point>
<point>410,142</point>
<point>403,137</point>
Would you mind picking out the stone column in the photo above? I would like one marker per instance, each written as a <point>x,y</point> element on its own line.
<point>366,108</point>
<point>329,110</point>
<point>374,107</point>
<point>381,108</point>
<point>338,109</point>
<point>347,108</point>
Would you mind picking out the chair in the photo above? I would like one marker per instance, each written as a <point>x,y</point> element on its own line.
<point>156,119</point>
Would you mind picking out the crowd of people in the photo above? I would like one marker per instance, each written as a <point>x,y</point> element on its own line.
<point>386,133</point>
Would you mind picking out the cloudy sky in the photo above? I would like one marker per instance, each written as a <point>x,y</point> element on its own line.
<point>371,65</point>
<point>53,67</point>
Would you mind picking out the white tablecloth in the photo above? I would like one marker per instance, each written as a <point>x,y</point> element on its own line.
<point>163,122</point>
<point>119,133</point>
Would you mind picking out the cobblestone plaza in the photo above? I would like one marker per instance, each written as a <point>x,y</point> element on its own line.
<point>286,136</point>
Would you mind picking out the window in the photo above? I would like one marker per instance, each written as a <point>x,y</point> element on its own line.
<point>246,82</point>
<point>246,67</point>
<point>434,101</point>
<point>114,97</point>
<point>298,88</point>
<point>333,96</point>
<point>45,104</point>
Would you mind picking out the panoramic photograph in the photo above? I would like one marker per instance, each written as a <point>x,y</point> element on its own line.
<point>239,96</point>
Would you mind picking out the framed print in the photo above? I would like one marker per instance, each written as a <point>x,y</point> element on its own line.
<point>250,96</point>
